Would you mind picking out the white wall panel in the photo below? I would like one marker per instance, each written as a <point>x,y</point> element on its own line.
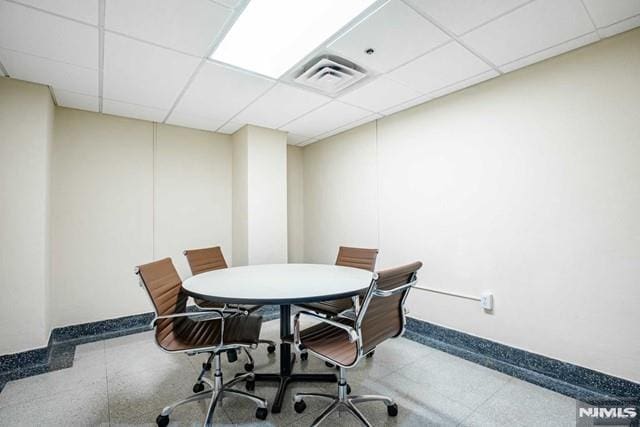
<point>102,215</point>
<point>525,185</point>
<point>193,193</point>
<point>340,194</point>
<point>26,120</point>
<point>295,204</point>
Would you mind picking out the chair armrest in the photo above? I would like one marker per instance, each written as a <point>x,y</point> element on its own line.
<point>353,334</point>
<point>226,310</point>
<point>349,314</point>
<point>389,292</point>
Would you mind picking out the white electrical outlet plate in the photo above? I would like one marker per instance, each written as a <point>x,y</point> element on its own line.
<point>486,300</point>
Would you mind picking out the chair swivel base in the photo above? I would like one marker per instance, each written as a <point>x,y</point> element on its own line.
<point>271,349</point>
<point>343,401</point>
<point>271,345</point>
<point>217,391</point>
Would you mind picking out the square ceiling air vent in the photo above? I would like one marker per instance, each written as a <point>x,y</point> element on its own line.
<point>330,74</point>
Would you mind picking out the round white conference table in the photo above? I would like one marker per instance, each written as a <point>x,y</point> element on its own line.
<point>283,285</point>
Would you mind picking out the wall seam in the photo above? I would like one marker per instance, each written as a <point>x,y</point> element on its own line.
<point>101,15</point>
<point>154,188</point>
<point>377,185</point>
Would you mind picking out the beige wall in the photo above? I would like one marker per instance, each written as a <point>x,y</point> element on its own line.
<point>102,215</point>
<point>193,193</point>
<point>267,196</point>
<point>240,194</point>
<point>295,205</point>
<point>124,194</point>
<point>526,185</point>
<point>259,196</point>
<point>26,123</point>
<point>340,194</point>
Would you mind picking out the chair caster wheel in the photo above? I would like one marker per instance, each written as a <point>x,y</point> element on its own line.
<point>248,367</point>
<point>232,356</point>
<point>198,387</point>
<point>162,420</point>
<point>348,389</point>
<point>206,366</point>
<point>329,365</point>
<point>250,385</point>
<point>370,354</point>
<point>300,406</point>
<point>392,410</point>
<point>304,356</point>
<point>271,349</point>
<point>261,413</point>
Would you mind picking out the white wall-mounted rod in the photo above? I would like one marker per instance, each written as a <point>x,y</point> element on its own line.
<point>453,294</point>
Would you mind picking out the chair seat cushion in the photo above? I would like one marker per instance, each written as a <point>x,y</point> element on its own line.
<point>186,333</point>
<point>330,342</point>
<point>331,308</point>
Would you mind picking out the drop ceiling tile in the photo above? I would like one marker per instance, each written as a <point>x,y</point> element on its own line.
<point>325,119</point>
<point>548,53</point>
<point>139,73</point>
<point>231,127</point>
<point>397,34</point>
<point>133,111</point>
<point>193,121</point>
<point>82,10</point>
<point>38,33</point>
<point>471,81</point>
<point>228,3</point>
<point>460,16</point>
<point>293,139</point>
<point>307,142</point>
<point>407,105</point>
<point>280,105</point>
<point>442,67</point>
<point>608,12</point>
<point>530,29</point>
<point>348,126</point>
<point>620,27</point>
<point>380,94</point>
<point>68,99</point>
<point>53,73</point>
<point>220,92</point>
<point>188,26</point>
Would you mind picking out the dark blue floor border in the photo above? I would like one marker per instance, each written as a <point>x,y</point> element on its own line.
<point>571,380</point>
<point>60,351</point>
<point>580,383</point>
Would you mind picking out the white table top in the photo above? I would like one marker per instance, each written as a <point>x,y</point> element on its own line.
<point>278,283</point>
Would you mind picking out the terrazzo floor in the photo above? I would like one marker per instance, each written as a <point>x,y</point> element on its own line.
<point>126,381</point>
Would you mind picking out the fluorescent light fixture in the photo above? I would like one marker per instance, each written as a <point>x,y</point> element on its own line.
<point>271,36</point>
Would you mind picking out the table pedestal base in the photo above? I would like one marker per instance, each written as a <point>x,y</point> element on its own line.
<point>287,359</point>
<point>286,378</point>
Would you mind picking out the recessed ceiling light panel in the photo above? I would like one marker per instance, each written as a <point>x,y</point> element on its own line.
<point>271,36</point>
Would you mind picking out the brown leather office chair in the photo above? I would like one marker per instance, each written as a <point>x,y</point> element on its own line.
<point>347,257</point>
<point>179,331</point>
<point>345,341</point>
<point>203,260</point>
<point>209,259</point>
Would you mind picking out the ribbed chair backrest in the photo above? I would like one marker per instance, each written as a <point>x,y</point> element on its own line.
<point>207,259</point>
<point>383,317</point>
<point>357,258</point>
<point>164,287</point>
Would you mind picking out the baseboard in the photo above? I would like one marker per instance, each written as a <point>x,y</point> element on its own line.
<point>571,380</point>
<point>60,351</point>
